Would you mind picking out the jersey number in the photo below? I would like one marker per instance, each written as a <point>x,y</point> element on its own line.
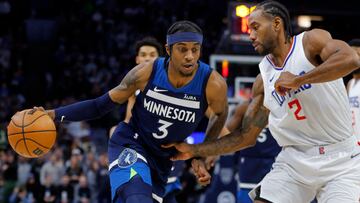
<point>295,103</point>
<point>163,129</point>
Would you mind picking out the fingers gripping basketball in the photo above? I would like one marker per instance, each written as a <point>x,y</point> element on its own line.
<point>31,133</point>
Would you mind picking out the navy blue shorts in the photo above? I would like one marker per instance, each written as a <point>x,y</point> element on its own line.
<point>128,158</point>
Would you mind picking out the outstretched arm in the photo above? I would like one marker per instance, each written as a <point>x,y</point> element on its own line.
<point>255,119</point>
<point>333,59</point>
<point>94,108</point>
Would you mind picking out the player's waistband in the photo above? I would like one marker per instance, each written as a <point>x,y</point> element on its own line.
<point>115,162</point>
<point>342,146</point>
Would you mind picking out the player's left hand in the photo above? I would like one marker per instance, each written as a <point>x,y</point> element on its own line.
<point>202,175</point>
<point>186,151</point>
<point>286,82</point>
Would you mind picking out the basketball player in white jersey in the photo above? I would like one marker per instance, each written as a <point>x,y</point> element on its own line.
<point>353,88</point>
<point>300,93</point>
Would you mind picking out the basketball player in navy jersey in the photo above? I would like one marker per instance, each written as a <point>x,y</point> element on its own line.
<point>148,49</point>
<point>301,96</point>
<point>175,94</point>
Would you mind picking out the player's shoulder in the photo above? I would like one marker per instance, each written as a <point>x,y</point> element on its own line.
<point>141,73</point>
<point>216,81</point>
<point>316,36</point>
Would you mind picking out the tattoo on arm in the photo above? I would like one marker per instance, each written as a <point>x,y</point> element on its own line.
<point>255,119</point>
<point>128,81</point>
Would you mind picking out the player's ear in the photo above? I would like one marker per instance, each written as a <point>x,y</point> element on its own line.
<point>277,23</point>
<point>167,48</point>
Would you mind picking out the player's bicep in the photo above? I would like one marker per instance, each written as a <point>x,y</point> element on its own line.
<point>132,81</point>
<point>216,94</point>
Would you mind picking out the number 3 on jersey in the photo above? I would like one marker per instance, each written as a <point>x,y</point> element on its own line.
<point>296,104</point>
<point>163,129</point>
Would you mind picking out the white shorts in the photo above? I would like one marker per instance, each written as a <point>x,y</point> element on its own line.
<point>329,173</point>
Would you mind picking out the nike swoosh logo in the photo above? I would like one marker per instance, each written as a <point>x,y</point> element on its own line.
<point>159,90</point>
<point>272,78</point>
<point>354,155</point>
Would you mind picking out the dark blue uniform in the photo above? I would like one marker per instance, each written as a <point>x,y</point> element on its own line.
<point>162,114</point>
<point>255,162</point>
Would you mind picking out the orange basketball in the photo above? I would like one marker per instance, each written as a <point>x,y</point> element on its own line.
<point>31,134</point>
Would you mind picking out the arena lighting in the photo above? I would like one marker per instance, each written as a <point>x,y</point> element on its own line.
<point>238,14</point>
<point>242,11</point>
<point>225,68</point>
<point>304,21</point>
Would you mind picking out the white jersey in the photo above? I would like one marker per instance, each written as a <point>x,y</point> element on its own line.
<point>315,114</point>
<point>354,98</point>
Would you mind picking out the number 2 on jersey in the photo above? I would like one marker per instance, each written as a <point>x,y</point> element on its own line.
<point>163,129</point>
<point>296,104</point>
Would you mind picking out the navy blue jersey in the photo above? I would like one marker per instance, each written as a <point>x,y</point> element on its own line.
<point>255,162</point>
<point>164,114</point>
<point>266,146</point>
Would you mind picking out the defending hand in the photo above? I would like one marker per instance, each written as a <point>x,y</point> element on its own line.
<point>286,82</point>
<point>202,175</point>
<point>186,151</point>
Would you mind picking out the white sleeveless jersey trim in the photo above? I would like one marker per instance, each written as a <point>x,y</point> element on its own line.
<point>315,114</point>
<point>354,99</point>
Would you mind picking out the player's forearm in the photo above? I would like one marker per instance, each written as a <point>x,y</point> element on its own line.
<point>232,142</point>
<point>254,121</point>
<point>336,66</point>
<point>215,125</point>
<point>85,110</point>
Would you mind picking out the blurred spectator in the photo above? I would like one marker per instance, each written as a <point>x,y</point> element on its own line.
<point>74,170</point>
<point>9,172</point>
<point>53,167</point>
<point>83,193</point>
<point>65,191</point>
<point>33,188</point>
<point>20,195</point>
<point>23,170</point>
<point>48,190</point>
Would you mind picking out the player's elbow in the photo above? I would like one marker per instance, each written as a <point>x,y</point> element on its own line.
<point>353,60</point>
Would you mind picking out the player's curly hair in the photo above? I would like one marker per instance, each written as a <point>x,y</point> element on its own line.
<point>274,9</point>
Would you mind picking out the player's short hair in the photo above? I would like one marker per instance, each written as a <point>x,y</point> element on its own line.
<point>184,26</point>
<point>354,43</point>
<point>149,41</point>
<point>274,9</point>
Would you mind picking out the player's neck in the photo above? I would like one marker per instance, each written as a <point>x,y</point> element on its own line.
<point>177,79</point>
<point>281,51</point>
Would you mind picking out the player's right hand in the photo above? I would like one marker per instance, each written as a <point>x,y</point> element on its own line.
<point>185,151</point>
<point>202,175</point>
